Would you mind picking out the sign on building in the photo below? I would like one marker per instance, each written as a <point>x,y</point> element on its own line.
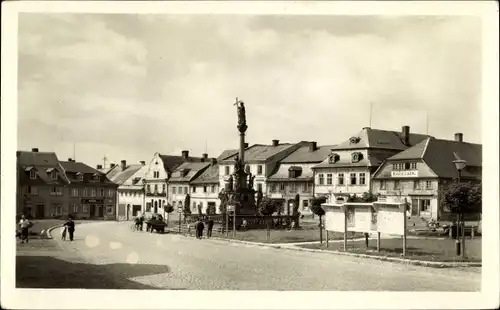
<point>404,174</point>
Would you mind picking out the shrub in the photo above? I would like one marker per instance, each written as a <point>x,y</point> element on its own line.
<point>268,206</point>
<point>462,198</point>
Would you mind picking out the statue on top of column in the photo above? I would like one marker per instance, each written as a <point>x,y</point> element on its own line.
<point>242,119</point>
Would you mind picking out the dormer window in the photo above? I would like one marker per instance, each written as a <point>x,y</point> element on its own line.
<point>354,140</point>
<point>356,157</point>
<point>32,172</point>
<point>79,176</point>
<point>333,158</point>
<point>294,172</point>
<point>184,172</point>
<point>96,177</point>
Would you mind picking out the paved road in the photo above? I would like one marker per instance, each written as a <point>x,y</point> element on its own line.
<point>176,262</point>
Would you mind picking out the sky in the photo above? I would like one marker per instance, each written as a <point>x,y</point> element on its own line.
<point>126,86</point>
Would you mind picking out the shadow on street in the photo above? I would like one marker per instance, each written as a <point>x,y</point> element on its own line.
<point>50,272</point>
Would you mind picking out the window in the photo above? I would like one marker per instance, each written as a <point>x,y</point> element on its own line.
<point>397,184</point>
<point>293,187</point>
<point>32,190</point>
<point>80,177</point>
<point>341,179</point>
<point>111,193</point>
<point>75,208</point>
<point>321,179</point>
<point>32,174</point>
<point>305,187</point>
<point>92,192</point>
<point>156,188</point>
<point>53,175</point>
<point>425,205</point>
<point>193,190</point>
<point>85,208</point>
<point>185,190</point>
<point>362,178</point>
<point>413,166</point>
<point>259,169</point>
<point>74,192</point>
<point>174,190</point>
<point>329,179</point>
<point>416,184</point>
<point>96,178</point>
<point>194,206</point>
<point>282,187</point>
<point>353,178</point>
<point>212,189</point>
<point>428,184</point>
<point>383,184</point>
<point>148,188</point>
<point>101,192</point>
<point>259,186</point>
<point>163,186</point>
<point>85,192</point>
<point>305,204</point>
<point>407,166</point>
<point>205,189</point>
<point>156,174</point>
<point>226,170</point>
<point>56,191</point>
<point>273,188</point>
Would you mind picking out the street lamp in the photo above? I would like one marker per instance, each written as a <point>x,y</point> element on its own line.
<point>460,164</point>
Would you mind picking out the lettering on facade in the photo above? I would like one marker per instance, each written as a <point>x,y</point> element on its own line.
<point>93,201</point>
<point>404,174</point>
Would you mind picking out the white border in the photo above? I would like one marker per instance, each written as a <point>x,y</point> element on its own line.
<point>98,299</point>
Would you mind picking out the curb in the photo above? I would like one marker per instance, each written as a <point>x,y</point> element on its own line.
<point>375,257</point>
<point>49,230</point>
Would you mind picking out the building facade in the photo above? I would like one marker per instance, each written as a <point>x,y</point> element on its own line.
<point>91,195</point>
<point>179,184</point>
<point>294,175</point>
<point>205,190</point>
<point>130,192</point>
<point>348,169</point>
<point>260,160</point>
<point>419,174</point>
<point>41,184</point>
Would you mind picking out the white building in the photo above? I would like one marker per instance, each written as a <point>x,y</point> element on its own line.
<point>348,169</point>
<point>205,189</point>
<point>260,159</point>
<point>130,193</point>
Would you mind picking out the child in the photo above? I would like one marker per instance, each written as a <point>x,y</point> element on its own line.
<point>63,233</point>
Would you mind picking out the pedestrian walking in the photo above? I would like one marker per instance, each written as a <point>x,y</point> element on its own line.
<point>199,229</point>
<point>25,225</point>
<point>210,226</point>
<point>71,228</point>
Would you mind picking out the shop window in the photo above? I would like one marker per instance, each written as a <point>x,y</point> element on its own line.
<point>425,205</point>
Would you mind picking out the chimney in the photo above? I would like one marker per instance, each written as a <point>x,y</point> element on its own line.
<point>246,144</point>
<point>364,128</point>
<point>405,132</point>
<point>113,165</point>
<point>143,162</point>
<point>124,164</point>
<point>70,159</point>
<point>276,142</point>
<point>459,137</point>
<point>99,167</point>
<point>313,146</point>
<point>213,161</point>
<point>34,150</point>
<point>185,154</point>
<point>204,157</point>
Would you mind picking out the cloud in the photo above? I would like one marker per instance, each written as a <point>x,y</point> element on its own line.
<point>137,84</point>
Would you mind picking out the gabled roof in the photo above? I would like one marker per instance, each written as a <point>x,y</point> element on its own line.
<point>209,176</point>
<point>382,139</point>
<point>282,173</point>
<point>119,176</point>
<point>72,169</point>
<point>439,155</point>
<point>40,162</point>
<point>170,162</point>
<point>259,152</point>
<point>193,169</point>
<point>305,155</point>
<point>227,153</point>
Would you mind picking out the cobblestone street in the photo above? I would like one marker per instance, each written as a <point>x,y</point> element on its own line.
<point>110,255</point>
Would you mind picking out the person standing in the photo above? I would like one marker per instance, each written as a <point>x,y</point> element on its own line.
<point>71,228</point>
<point>199,229</point>
<point>24,225</point>
<point>210,226</point>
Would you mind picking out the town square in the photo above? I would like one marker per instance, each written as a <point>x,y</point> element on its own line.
<point>249,152</point>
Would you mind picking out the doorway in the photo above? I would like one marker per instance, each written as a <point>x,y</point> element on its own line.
<point>101,211</point>
<point>414,207</point>
<point>92,210</point>
<point>40,211</point>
